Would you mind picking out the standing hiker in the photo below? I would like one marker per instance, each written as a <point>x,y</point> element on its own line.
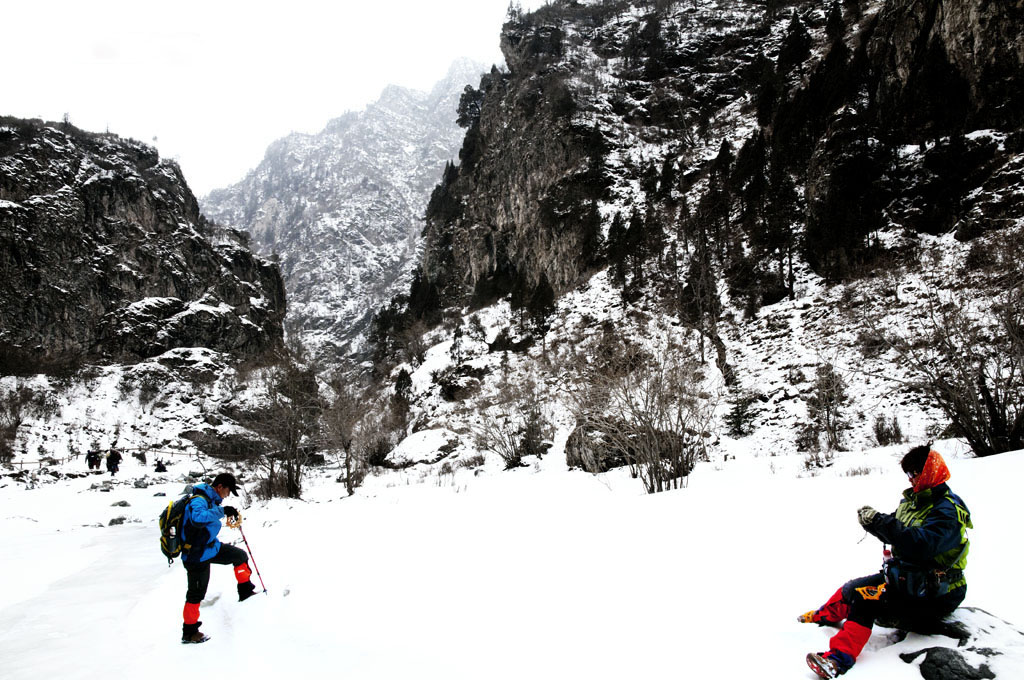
<point>200,527</point>
<point>920,583</point>
<point>92,459</point>
<point>113,462</point>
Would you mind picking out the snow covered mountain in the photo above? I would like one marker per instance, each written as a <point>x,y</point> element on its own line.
<point>105,257</point>
<point>782,193</point>
<point>739,253</point>
<point>343,208</point>
<point>766,133</point>
<point>118,298</point>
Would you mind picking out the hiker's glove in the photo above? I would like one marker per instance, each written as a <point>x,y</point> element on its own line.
<point>866,515</point>
<point>230,511</point>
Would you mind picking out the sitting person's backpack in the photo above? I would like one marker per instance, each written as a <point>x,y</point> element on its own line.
<point>172,531</point>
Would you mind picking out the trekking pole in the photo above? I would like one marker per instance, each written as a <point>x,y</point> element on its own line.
<point>236,523</point>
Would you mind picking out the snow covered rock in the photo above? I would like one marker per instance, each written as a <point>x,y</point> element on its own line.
<point>106,256</point>
<point>991,649</point>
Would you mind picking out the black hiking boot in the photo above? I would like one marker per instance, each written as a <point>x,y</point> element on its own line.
<point>190,634</point>
<point>245,591</point>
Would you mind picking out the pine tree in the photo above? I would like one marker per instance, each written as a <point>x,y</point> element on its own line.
<point>796,46</point>
<point>616,250</point>
<point>834,21</point>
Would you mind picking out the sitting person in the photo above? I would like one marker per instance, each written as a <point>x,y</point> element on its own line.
<point>920,583</point>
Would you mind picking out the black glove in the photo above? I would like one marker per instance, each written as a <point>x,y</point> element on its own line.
<point>230,511</point>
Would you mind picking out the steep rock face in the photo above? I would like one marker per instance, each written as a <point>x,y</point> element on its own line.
<point>343,208</point>
<point>598,99</point>
<point>779,131</point>
<point>959,62</point>
<point>105,256</point>
<point>520,212</point>
<point>920,133</point>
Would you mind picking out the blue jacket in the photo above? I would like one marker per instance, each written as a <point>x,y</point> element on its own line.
<point>929,530</point>
<point>202,523</point>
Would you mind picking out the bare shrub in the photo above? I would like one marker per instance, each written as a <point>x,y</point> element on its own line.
<point>808,440</point>
<point>457,383</point>
<point>516,428</point>
<point>887,430</point>
<point>653,413</point>
<point>970,361</point>
<point>472,462</point>
<point>375,449</point>
<point>376,435</point>
<point>872,342</point>
<point>147,381</point>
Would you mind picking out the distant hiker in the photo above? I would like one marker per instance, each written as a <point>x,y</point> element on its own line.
<point>160,467</point>
<point>922,580</point>
<point>200,528</point>
<point>113,462</point>
<point>92,459</point>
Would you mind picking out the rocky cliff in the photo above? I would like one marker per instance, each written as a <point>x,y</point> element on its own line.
<point>735,138</point>
<point>343,208</point>
<point>105,256</point>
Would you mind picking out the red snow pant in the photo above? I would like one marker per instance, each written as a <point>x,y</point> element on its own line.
<point>199,577</point>
<point>862,601</point>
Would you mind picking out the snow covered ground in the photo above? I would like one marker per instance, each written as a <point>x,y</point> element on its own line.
<point>533,573</point>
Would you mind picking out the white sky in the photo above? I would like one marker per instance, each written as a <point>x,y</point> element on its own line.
<point>215,81</point>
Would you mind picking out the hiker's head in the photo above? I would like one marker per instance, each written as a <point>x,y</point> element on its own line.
<point>913,462</point>
<point>225,484</point>
<point>924,467</point>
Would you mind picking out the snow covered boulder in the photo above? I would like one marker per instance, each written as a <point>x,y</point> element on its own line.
<point>992,649</point>
<point>425,446</point>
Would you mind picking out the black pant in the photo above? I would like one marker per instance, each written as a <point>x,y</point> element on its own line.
<point>892,608</point>
<point>199,572</point>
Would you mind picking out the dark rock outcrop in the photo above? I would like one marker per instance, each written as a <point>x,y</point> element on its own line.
<point>105,256</point>
<point>764,131</point>
<point>520,212</point>
<point>948,64</point>
<point>988,649</point>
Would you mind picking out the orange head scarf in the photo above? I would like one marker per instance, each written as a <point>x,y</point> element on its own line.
<point>934,473</point>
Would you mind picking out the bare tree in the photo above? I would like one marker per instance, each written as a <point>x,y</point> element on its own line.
<point>11,416</point>
<point>413,344</point>
<point>339,422</point>
<point>970,362</point>
<point>825,405</point>
<point>653,413</point>
<point>288,421</point>
<point>15,406</point>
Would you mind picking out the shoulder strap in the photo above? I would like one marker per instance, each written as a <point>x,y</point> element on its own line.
<point>963,516</point>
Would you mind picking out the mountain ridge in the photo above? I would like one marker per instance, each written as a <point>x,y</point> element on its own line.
<point>343,206</point>
<point>106,256</point>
